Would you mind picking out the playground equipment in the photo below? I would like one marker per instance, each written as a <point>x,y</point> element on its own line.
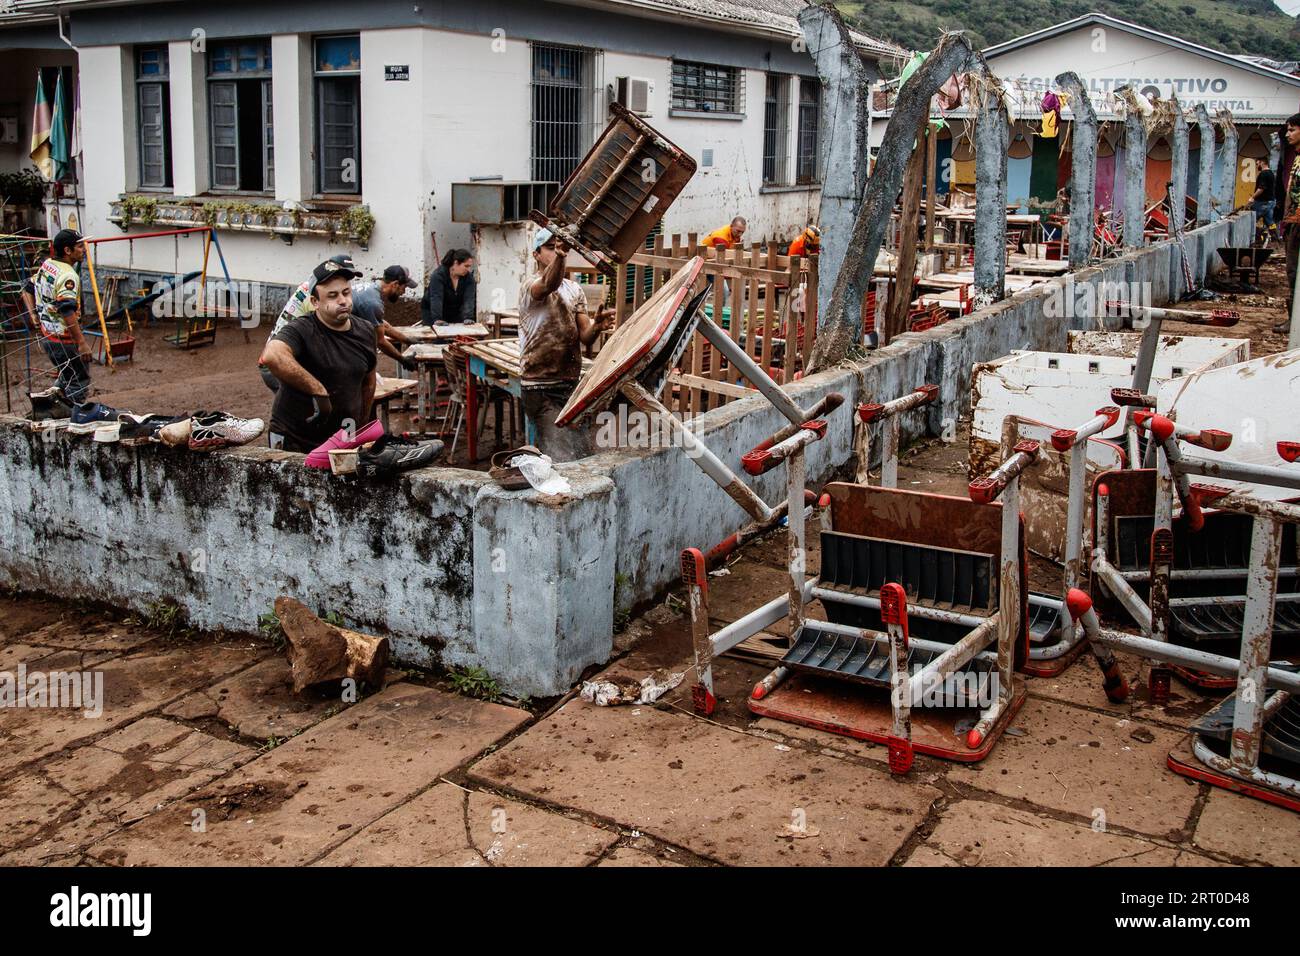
<point>191,330</point>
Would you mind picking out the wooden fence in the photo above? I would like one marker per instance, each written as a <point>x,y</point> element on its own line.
<point>750,298</point>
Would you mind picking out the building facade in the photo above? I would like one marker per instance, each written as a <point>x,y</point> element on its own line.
<point>288,115</point>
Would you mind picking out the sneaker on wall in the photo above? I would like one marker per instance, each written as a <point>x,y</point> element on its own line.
<point>320,457</point>
<point>86,418</point>
<point>217,429</point>
<point>51,403</point>
<point>390,455</point>
<point>141,428</point>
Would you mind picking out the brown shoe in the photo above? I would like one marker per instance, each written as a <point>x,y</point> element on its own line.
<point>511,479</point>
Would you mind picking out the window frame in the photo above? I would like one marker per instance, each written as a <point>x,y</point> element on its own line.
<point>776,129</point>
<point>805,133</point>
<point>160,81</point>
<point>698,76</point>
<point>230,79</point>
<point>321,81</point>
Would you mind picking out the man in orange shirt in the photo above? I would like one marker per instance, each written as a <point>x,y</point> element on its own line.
<point>807,243</point>
<point>728,237</point>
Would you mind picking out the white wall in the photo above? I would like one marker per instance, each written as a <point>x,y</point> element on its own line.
<point>464,113</point>
<point>1109,57</point>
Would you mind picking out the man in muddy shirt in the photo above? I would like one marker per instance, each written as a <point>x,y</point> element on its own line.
<point>553,328</point>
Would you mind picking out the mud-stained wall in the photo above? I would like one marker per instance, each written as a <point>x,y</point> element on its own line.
<point>451,566</point>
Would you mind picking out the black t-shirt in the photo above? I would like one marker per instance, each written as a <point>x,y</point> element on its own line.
<point>341,361</point>
<point>1264,181</point>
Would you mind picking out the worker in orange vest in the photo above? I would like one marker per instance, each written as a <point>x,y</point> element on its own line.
<point>728,237</point>
<point>807,243</point>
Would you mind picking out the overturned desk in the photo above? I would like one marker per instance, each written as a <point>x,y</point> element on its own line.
<point>496,361</point>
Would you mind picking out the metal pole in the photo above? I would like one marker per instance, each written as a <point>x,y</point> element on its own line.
<point>1256,642</point>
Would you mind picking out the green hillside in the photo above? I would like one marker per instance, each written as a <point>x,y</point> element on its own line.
<point>1233,26</point>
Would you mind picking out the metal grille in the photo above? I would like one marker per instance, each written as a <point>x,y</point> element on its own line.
<point>565,109</point>
<point>776,131</point>
<point>810,95</point>
<point>706,88</point>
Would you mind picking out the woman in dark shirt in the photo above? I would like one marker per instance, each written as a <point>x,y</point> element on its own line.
<point>451,294</point>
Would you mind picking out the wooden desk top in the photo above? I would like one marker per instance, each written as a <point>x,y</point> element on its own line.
<point>386,388</point>
<point>502,355</point>
<point>424,353</point>
<point>425,333</point>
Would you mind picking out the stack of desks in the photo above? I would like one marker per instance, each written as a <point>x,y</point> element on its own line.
<point>427,352</point>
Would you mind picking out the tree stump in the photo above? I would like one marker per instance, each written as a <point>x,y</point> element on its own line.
<point>320,651</point>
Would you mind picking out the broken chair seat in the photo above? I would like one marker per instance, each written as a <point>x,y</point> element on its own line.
<point>945,553</point>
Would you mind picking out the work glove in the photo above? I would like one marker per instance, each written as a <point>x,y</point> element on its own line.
<point>322,409</point>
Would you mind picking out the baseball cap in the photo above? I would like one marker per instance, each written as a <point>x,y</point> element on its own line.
<point>399,274</point>
<point>65,237</point>
<point>332,268</point>
<point>541,238</point>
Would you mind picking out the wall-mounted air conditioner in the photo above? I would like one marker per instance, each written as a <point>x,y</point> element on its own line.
<point>8,129</point>
<point>633,93</point>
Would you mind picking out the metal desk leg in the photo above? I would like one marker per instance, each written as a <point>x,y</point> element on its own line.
<point>471,412</point>
<point>383,415</point>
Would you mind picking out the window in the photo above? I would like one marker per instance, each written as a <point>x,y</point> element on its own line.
<point>153,114</point>
<point>338,114</point>
<point>701,88</point>
<point>810,95</point>
<point>242,140</point>
<point>564,81</point>
<point>776,131</point>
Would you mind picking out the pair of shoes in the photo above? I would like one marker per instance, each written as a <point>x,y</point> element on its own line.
<point>88,417</point>
<point>320,457</point>
<point>51,403</point>
<point>390,455</point>
<point>217,429</point>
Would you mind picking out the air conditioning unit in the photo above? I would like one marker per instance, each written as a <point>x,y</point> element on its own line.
<point>8,129</point>
<point>633,93</point>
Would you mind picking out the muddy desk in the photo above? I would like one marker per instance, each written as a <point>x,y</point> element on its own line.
<point>496,361</point>
<point>427,360</point>
<point>387,389</point>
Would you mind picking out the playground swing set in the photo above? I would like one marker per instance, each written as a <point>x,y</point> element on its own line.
<point>192,331</point>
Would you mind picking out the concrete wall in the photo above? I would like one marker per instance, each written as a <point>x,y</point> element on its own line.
<point>454,568</point>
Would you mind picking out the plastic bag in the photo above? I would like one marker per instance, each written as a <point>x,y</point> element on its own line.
<point>541,474</point>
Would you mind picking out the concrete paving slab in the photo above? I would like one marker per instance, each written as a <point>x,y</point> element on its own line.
<point>91,636</point>
<point>1248,829</point>
<point>258,703</point>
<point>1088,764</point>
<point>298,801</point>
<point>124,777</point>
<point>722,794</point>
<point>41,820</point>
<point>445,826</point>
<point>1080,684</point>
<point>132,686</point>
<point>975,833</point>
<point>427,831</point>
<point>628,857</point>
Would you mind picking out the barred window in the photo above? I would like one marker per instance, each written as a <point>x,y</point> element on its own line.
<point>810,95</point>
<point>705,88</point>
<point>776,131</point>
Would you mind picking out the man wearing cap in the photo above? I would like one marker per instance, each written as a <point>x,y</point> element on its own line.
<point>53,295</point>
<point>367,301</point>
<point>553,328</point>
<point>325,362</point>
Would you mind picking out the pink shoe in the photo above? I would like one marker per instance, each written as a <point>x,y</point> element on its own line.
<point>320,457</point>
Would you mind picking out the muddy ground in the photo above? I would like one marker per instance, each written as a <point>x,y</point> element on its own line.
<point>202,753</point>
